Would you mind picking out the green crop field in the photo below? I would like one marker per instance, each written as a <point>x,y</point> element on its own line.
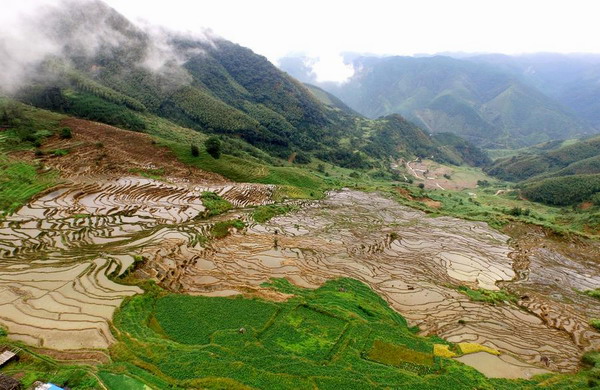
<point>194,320</point>
<point>19,182</point>
<point>341,335</point>
<point>121,382</point>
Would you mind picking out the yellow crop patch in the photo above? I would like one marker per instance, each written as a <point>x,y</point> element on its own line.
<point>443,350</point>
<point>467,348</point>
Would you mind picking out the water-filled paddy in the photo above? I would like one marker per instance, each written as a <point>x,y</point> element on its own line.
<point>58,251</point>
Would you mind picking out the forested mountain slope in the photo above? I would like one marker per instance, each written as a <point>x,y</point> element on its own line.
<point>483,103</point>
<point>207,84</point>
<point>570,79</point>
<point>565,175</point>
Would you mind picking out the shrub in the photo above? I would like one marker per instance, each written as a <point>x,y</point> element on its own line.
<point>65,133</point>
<point>421,185</point>
<point>60,152</point>
<point>195,151</point>
<point>213,147</point>
<point>214,204</point>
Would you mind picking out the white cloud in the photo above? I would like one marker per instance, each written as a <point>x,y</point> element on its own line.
<point>332,68</point>
<point>326,28</point>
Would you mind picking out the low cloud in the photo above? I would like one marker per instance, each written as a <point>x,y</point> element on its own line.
<point>32,31</point>
<point>332,68</point>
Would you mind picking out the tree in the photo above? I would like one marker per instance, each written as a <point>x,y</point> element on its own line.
<point>213,147</point>
<point>195,151</point>
<point>421,185</point>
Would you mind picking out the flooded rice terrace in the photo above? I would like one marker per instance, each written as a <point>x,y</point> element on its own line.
<point>56,256</point>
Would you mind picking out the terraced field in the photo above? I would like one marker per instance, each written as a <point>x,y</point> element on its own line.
<point>60,253</point>
<point>413,261</point>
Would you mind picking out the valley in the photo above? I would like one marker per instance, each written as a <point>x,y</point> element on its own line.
<point>70,255</point>
<point>126,226</point>
<point>178,212</point>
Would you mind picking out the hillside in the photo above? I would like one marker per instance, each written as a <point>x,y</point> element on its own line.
<point>570,79</point>
<point>207,84</point>
<point>485,104</point>
<point>330,100</point>
<point>562,175</point>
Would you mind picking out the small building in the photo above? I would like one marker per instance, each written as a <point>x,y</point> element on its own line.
<point>8,383</point>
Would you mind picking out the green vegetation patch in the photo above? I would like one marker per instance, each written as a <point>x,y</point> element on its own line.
<point>482,295</point>
<point>85,105</point>
<point>214,204</point>
<point>193,320</point>
<point>263,213</point>
<point>595,323</point>
<point>563,190</point>
<point>121,382</point>
<point>221,228</point>
<point>151,173</point>
<point>593,293</point>
<point>316,338</point>
<point>19,182</point>
<point>297,182</point>
<point>305,332</point>
<point>398,355</point>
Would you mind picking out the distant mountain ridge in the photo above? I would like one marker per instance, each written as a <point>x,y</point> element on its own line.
<point>489,105</point>
<point>211,85</point>
<point>573,80</point>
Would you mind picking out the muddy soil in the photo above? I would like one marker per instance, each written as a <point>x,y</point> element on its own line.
<point>101,151</point>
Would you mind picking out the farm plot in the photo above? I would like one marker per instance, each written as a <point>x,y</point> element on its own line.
<point>61,252</point>
<point>413,261</point>
<point>317,338</point>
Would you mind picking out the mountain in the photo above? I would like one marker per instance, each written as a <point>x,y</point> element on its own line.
<point>112,71</point>
<point>560,175</point>
<point>330,100</point>
<point>485,104</point>
<point>573,80</point>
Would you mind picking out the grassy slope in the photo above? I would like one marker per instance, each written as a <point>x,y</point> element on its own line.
<point>20,181</point>
<point>325,338</point>
<point>341,335</point>
<point>295,182</point>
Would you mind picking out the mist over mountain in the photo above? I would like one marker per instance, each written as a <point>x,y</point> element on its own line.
<point>571,79</point>
<point>98,65</point>
<point>491,103</point>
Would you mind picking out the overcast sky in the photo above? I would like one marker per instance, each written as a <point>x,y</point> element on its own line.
<point>324,28</point>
